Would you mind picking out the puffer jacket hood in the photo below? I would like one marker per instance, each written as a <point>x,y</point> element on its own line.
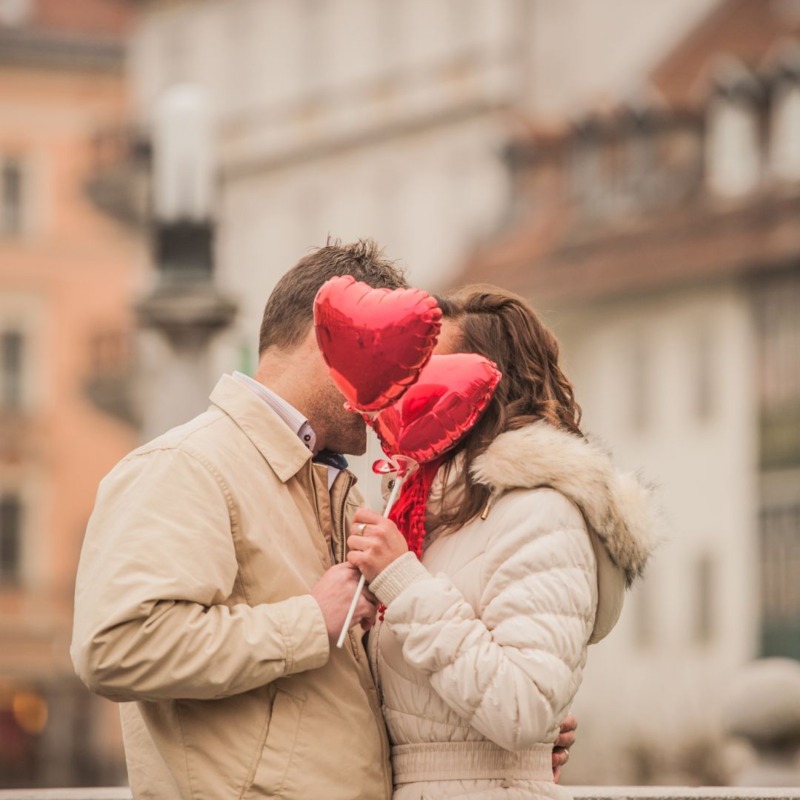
<point>617,507</point>
<point>623,523</point>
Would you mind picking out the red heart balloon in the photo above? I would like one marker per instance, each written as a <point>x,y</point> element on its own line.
<point>446,401</point>
<point>374,341</point>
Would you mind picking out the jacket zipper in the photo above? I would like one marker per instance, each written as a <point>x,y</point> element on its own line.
<point>375,642</point>
<point>340,556</point>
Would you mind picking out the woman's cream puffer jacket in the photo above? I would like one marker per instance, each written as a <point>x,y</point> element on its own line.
<point>484,643</point>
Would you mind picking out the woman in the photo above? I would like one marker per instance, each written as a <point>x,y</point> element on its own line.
<point>530,540</point>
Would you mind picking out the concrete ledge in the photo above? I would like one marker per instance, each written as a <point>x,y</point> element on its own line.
<point>682,793</point>
<point>578,792</point>
<point>104,793</point>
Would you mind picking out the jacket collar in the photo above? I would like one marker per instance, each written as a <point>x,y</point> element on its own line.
<point>279,445</point>
<point>617,507</point>
<point>624,526</point>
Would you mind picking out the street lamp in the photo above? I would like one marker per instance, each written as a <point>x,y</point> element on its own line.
<point>184,307</point>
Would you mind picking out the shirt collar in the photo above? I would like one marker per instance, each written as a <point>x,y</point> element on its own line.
<point>286,411</point>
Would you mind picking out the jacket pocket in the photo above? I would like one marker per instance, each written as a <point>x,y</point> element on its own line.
<point>279,745</point>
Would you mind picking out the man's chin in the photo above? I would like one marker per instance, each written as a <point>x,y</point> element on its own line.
<point>354,440</point>
<point>355,447</point>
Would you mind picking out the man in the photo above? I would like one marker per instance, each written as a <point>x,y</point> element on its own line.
<point>211,581</point>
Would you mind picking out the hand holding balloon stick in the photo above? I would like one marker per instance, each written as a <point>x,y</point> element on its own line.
<point>403,467</point>
<point>378,345</point>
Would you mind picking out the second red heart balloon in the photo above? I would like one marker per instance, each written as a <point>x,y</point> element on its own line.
<point>451,393</point>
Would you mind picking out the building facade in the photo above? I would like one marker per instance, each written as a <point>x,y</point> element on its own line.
<point>659,240</point>
<point>67,275</point>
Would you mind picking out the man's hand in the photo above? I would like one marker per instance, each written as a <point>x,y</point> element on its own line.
<point>374,542</point>
<point>566,738</point>
<point>334,592</point>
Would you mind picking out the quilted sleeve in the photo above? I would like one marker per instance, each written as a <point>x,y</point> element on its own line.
<point>510,667</point>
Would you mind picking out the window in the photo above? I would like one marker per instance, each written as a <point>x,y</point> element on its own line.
<point>11,197</point>
<point>108,352</point>
<point>10,535</point>
<point>785,133</point>
<point>639,388</point>
<point>779,341</point>
<point>585,166</point>
<point>702,380</point>
<point>11,370</point>
<point>780,589</point>
<point>704,594</point>
<point>733,151</point>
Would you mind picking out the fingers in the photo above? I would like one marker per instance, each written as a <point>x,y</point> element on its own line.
<point>334,593</point>
<point>374,543</point>
<point>371,597</point>
<point>367,515</point>
<point>367,624</point>
<point>357,542</point>
<point>560,758</point>
<point>565,740</point>
<point>365,614</point>
<point>566,736</point>
<point>570,723</point>
<point>369,558</point>
<point>345,567</point>
<point>366,609</point>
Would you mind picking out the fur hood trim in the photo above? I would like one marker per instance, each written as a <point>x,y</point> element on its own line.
<point>617,507</point>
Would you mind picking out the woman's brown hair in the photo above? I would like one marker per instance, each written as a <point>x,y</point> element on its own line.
<point>502,327</point>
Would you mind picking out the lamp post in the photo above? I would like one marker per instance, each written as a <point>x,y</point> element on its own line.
<point>184,310</point>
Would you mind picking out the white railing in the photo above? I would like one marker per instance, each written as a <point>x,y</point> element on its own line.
<point>578,793</point>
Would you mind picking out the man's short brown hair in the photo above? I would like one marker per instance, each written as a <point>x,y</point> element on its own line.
<point>290,308</point>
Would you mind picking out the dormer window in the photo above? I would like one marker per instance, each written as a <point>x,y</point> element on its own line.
<point>784,120</point>
<point>733,152</point>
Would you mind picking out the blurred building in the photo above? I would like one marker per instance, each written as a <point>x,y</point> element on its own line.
<point>661,239</point>
<point>66,277</point>
<point>576,55</point>
<point>345,117</point>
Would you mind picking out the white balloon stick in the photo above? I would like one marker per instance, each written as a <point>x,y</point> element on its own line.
<point>352,610</point>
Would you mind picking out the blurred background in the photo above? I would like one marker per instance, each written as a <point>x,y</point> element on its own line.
<point>632,167</point>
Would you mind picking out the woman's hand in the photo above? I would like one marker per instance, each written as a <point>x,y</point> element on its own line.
<point>374,542</point>
<point>565,740</point>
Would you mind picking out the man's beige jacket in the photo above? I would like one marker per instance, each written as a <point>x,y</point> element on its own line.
<point>192,609</point>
